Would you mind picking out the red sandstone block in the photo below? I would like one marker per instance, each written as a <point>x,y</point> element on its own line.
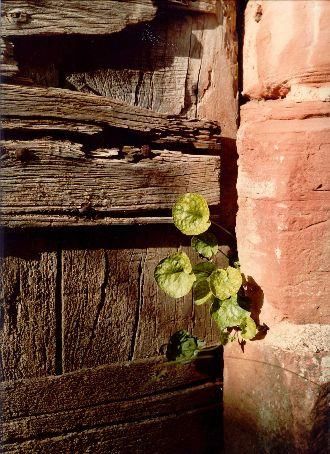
<point>283,230</point>
<point>275,398</point>
<point>286,43</point>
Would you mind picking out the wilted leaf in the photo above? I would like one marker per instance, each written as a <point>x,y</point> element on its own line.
<point>174,275</point>
<point>183,346</point>
<point>225,283</point>
<point>202,292</point>
<point>203,270</point>
<point>191,214</point>
<point>205,244</point>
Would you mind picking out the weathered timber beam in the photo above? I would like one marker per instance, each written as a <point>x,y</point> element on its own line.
<point>56,182</point>
<point>143,408</point>
<point>55,103</point>
<point>99,385</point>
<point>97,17</point>
<point>8,66</point>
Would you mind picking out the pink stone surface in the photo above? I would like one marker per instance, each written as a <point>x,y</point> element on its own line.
<point>286,43</point>
<point>283,218</point>
<point>275,400</point>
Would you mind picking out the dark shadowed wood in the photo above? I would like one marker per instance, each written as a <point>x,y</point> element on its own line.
<point>48,178</point>
<point>101,292</point>
<point>54,103</point>
<point>192,432</point>
<point>83,17</point>
<point>28,273</point>
<point>77,419</point>
<point>100,385</point>
<point>112,303</point>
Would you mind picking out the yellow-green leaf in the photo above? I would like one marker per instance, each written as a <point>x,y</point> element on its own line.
<point>191,214</point>
<point>226,282</point>
<point>174,275</point>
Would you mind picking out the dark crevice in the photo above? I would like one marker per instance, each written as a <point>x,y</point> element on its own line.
<point>100,305</point>
<point>138,310</point>
<point>58,316</point>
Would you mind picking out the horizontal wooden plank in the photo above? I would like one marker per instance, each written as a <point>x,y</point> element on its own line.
<point>99,17</point>
<point>54,103</point>
<point>196,431</point>
<point>104,384</point>
<point>173,402</point>
<point>46,178</point>
<point>47,126</point>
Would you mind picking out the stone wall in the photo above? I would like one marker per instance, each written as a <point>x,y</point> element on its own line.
<point>276,390</point>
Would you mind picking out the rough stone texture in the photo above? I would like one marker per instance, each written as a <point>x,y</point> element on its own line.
<point>275,391</point>
<point>286,43</point>
<point>282,407</point>
<point>283,189</point>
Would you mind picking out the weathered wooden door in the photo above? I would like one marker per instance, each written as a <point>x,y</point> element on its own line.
<point>100,106</point>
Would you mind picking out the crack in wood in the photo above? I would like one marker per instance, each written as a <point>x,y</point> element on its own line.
<point>138,306</point>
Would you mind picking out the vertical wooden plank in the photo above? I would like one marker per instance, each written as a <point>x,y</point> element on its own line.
<point>28,344</point>
<point>159,316</point>
<point>100,297</point>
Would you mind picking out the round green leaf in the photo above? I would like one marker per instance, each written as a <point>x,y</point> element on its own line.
<point>202,292</point>
<point>249,328</point>
<point>205,244</point>
<point>226,282</point>
<point>203,270</point>
<point>191,214</point>
<point>228,313</point>
<point>174,275</point>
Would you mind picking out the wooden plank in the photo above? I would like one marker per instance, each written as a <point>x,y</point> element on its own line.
<point>192,432</point>
<point>100,17</point>
<point>101,291</point>
<point>77,419</point>
<point>50,178</point>
<point>54,103</point>
<point>101,385</point>
<point>8,66</point>
<point>111,301</point>
<point>29,273</point>
<point>47,126</point>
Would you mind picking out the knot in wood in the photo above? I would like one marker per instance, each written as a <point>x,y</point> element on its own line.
<point>23,154</point>
<point>18,16</point>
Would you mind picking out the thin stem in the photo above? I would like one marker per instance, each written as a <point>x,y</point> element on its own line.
<point>225,230</point>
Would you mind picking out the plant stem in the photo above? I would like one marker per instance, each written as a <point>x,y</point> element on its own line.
<point>225,230</point>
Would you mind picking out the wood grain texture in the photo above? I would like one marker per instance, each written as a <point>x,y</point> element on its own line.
<point>100,385</point>
<point>101,291</point>
<point>8,65</point>
<point>164,434</point>
<point>60,104</point>
<point>93,416</point>
<point>49,178</point>
<point>21,18</point>
<point>28,342</point>
<point>112,303</point>
<point>114,408</point>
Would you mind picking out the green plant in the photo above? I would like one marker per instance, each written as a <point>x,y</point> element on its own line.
<point>218,287</point>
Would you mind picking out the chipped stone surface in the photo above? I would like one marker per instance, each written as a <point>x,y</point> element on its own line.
<point>275,391</point>
<point>286,43</point>
<point>283,219</point>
